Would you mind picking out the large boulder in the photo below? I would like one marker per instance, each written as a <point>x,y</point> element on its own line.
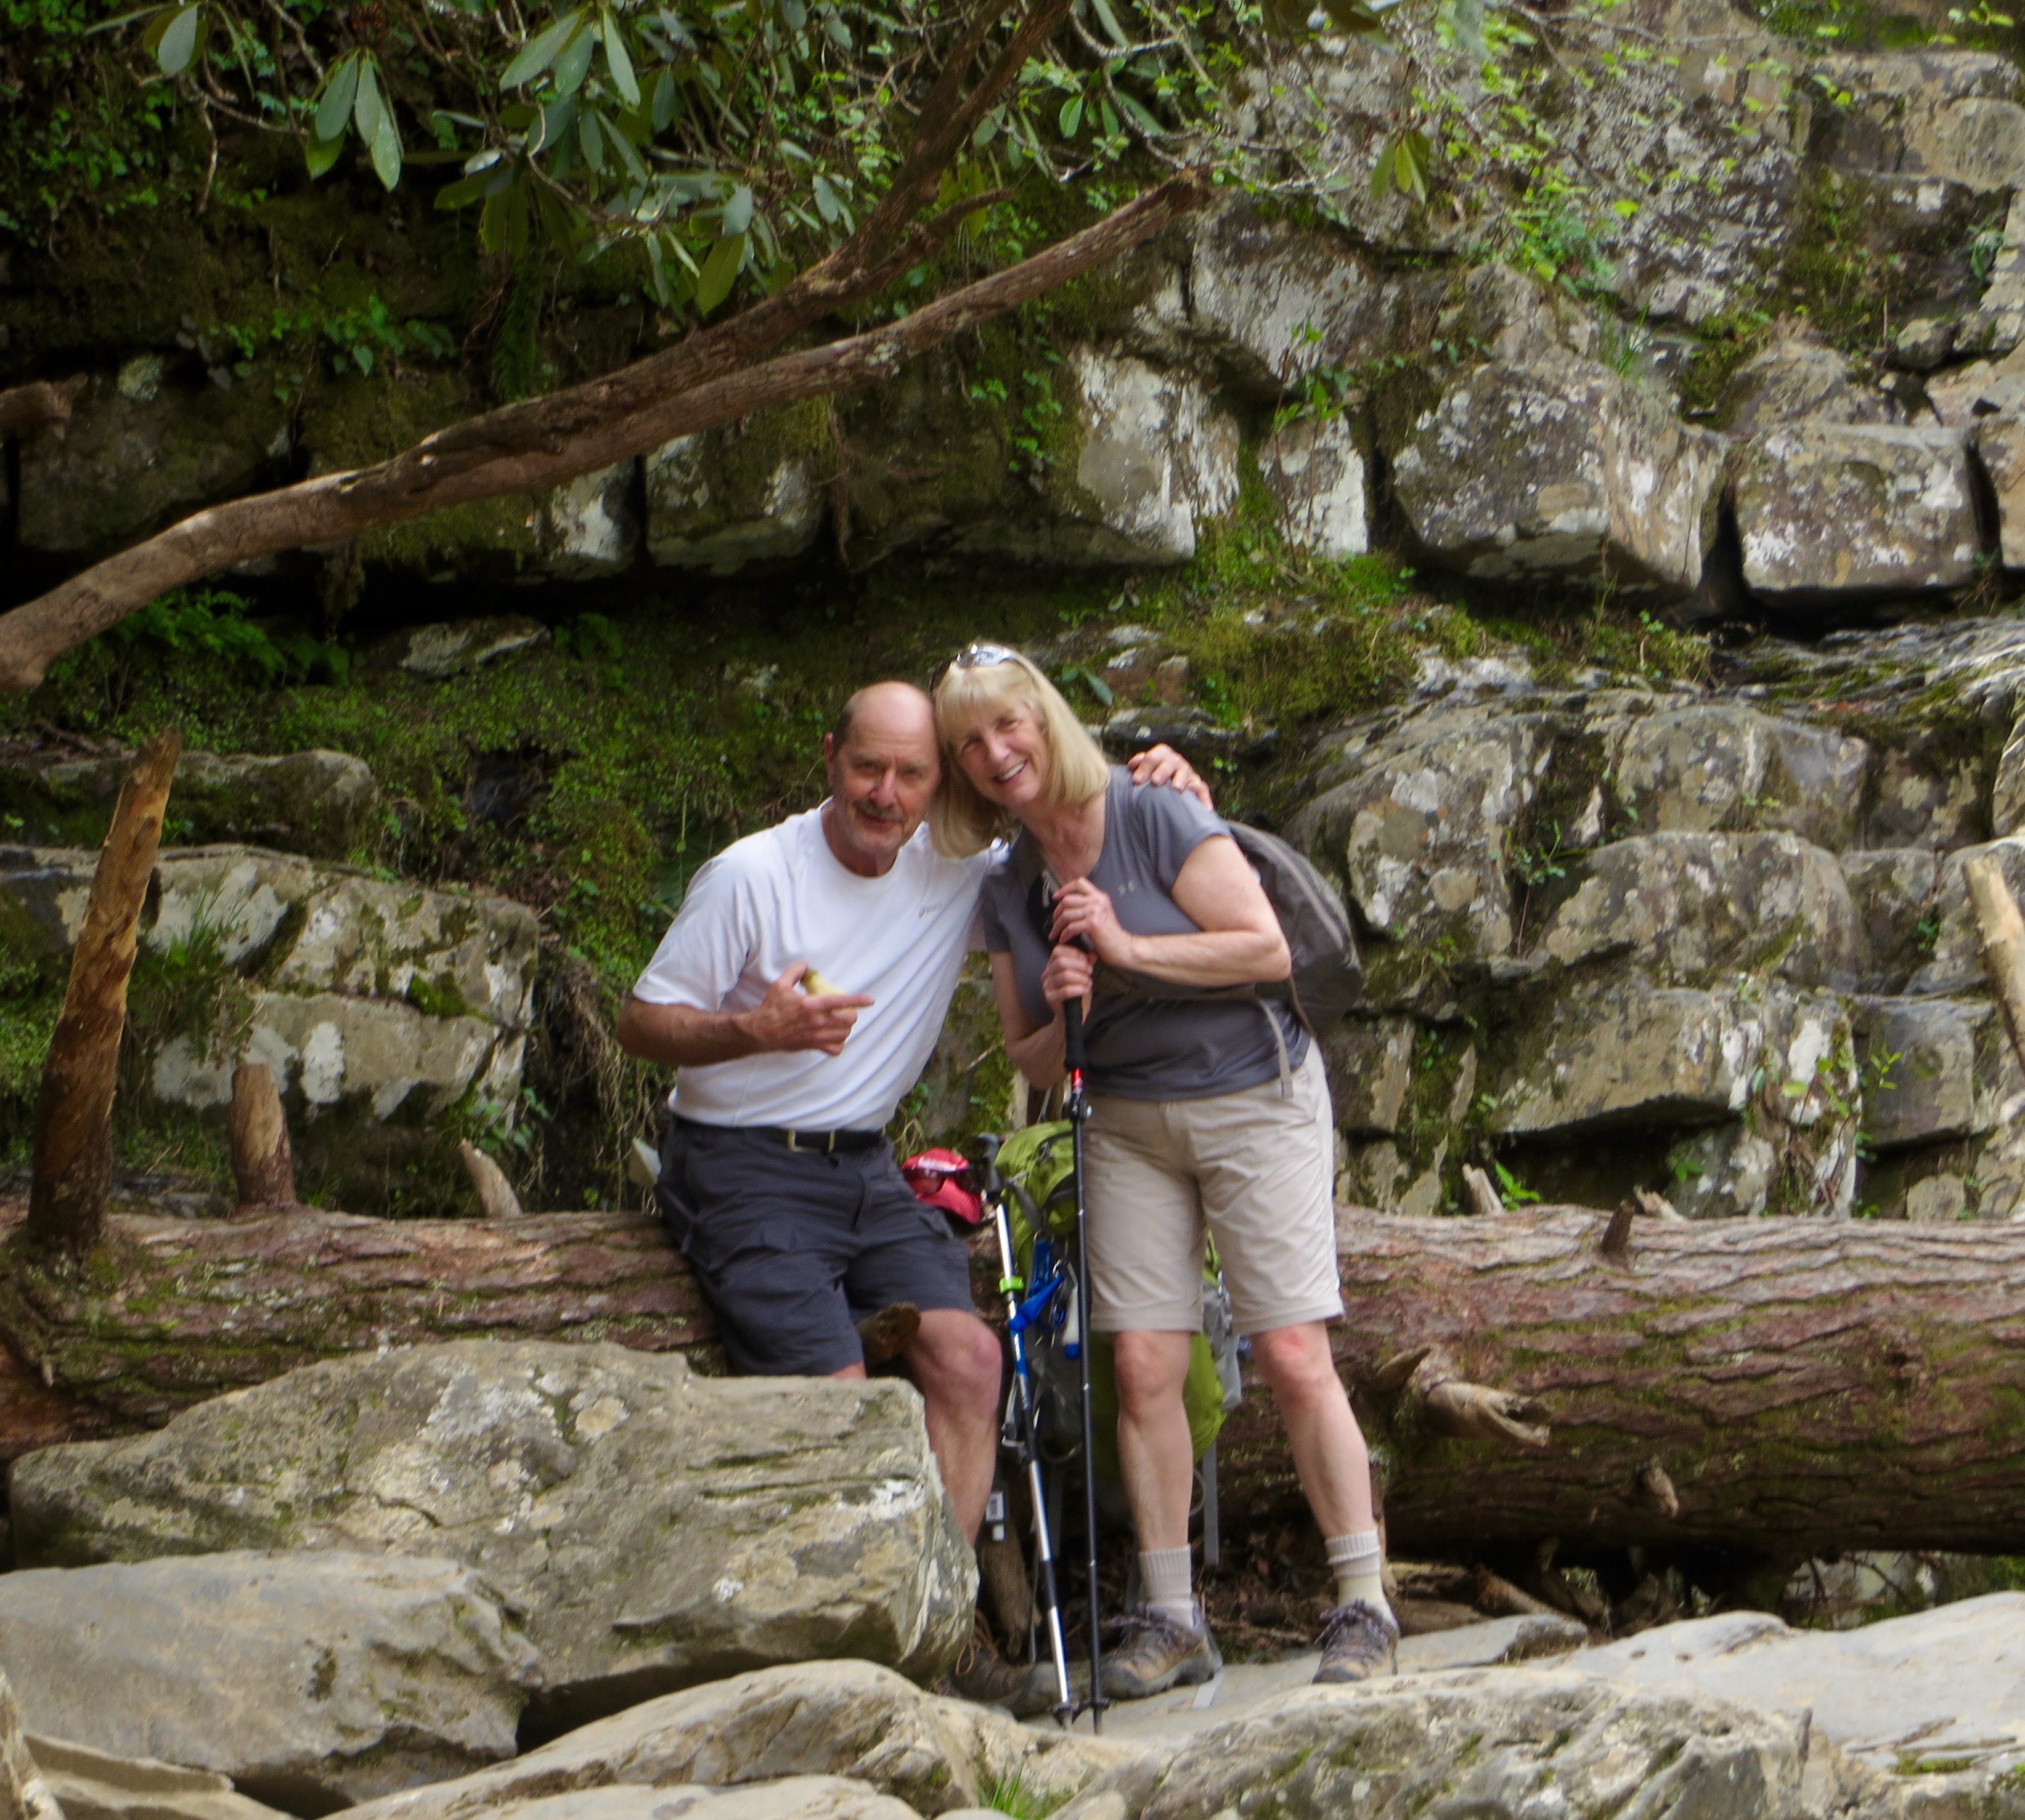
<point>1417,828</point>
<point>1752,1061</point>
<point>1565,467</point>
<point>1935,1069</point>
<point>312,1680</point>
<point>1792,381</point>
<point>1706,766</point>
<point>1900,501</point>
<point>1938,1696</point>
<point>1499,1743</point>
<point>321,804</point>
<point>1317,476</point>
<point>723,498</point>
<point>657,1529</point>
<point>808,1718</point>
<point>1156,453</point>
<point>142,449</point>
<point>1687,908</point>
<point>1265,302</point>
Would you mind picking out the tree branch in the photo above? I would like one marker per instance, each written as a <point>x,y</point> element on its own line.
<point>336,506</point>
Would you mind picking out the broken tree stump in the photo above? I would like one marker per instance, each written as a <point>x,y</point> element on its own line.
<point>73,1150</point>
<point>496,1199</point>
<point>2003,933</point>
<point>262,1164</point>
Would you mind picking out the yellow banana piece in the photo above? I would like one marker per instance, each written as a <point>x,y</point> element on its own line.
<point>816,987</point>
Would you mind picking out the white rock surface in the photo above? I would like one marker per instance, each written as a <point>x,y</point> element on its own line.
<point>98,1785</point>
<point>308,1679</point>
<point>1899,500</point>
<point>587,527</point>
<point>1317,477</point>
<point>1537,471</point>
<point>1940,1688</point>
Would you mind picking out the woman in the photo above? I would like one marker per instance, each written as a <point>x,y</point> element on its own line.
<point>1204,1111</point>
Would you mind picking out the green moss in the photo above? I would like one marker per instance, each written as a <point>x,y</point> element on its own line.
<point>438,998</point>
<point>1721,345</point>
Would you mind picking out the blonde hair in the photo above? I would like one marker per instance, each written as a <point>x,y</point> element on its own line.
<point>961,821</point>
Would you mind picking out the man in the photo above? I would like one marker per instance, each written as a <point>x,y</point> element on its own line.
<point>777,1181</point>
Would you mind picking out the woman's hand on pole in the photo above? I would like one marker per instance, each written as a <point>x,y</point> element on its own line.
<point>1068,975</point>
<point>1084,914</point>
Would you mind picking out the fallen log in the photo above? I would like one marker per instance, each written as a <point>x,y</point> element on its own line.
<point>1779,1387</point>
<point>171,1312</point>
<point>1774,1386</point>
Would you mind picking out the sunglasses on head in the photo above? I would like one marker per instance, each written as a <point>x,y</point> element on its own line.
<point>982,656</point>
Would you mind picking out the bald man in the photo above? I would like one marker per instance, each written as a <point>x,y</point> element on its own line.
<point>778,1182</point>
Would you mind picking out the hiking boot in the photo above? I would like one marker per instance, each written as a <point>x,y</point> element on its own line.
<point>1147,1653</point>
<point>1025,1689</point>
<point>1359,1643</point>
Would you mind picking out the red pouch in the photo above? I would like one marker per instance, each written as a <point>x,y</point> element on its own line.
<point>938,1179</point>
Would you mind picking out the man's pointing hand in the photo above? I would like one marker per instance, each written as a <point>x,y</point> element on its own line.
<point>789,1019</point>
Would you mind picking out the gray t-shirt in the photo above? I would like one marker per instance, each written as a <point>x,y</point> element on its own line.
<point>1144,1048</point>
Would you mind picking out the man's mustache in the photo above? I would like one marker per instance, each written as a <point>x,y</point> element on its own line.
<point>872,814</point>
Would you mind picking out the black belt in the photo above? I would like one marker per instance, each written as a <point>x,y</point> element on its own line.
<point>844,1143</point>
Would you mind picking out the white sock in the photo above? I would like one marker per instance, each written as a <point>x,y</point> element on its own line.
<point>1167,1575</point>
<point>1359,1568</point>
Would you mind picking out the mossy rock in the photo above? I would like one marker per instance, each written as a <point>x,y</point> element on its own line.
<point>321,804</point>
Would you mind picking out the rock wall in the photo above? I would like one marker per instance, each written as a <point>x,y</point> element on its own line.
<point>1699,927</point>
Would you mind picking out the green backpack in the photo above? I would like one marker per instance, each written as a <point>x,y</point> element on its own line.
<point>1038,1163</point>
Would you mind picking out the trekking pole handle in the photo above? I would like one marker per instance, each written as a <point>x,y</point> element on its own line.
<point>1072,1047</point>
<point>985,1148</point>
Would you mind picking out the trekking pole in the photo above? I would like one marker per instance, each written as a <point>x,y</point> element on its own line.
<point>1028,1439</point>
<point>1079,1111</point>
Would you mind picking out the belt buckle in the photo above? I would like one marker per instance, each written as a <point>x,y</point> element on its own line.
<point>823,1149</point>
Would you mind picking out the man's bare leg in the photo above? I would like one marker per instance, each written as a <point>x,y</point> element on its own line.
<point>954,1361</point>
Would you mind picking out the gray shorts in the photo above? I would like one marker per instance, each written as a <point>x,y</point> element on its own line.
<point>794,1247</point>
<point>1256,1168</point>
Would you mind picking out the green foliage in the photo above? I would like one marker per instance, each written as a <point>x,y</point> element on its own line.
<point>212,623</point>
<point>724,147</point>
<point>1008,1794</point>
<point>186,988</point>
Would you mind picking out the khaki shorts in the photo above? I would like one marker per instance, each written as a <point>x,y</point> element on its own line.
<point>1257,1166</point>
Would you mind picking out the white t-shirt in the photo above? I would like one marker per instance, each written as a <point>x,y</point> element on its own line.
<point>781,896</point>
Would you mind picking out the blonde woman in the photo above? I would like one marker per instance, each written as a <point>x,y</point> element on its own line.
<point>1206,1112</point>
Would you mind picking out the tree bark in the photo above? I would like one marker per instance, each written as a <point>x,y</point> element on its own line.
<point>73,1153</point>
<point>1797,1385</point>
<point>1778,1387</point>
<point>592,427</point>
<point>175,1311</point>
